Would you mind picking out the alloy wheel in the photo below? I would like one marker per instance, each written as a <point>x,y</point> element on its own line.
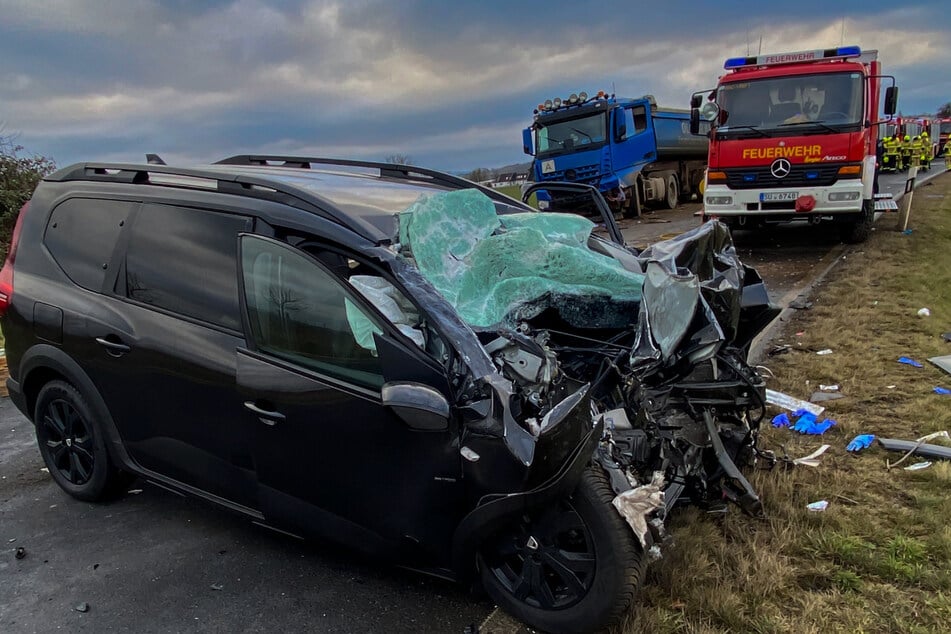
<point>68,442</point>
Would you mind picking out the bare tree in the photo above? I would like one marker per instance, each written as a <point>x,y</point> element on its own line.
<point>399,159</point>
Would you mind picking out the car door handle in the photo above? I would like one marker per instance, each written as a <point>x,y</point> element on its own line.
<point>112,346</point>
<point>266,416</point>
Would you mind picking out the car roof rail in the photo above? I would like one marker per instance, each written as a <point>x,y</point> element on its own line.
<point>249,185</point>
<point>386,170</point>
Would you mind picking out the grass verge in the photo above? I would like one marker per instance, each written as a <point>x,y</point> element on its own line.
<point>879,558</point>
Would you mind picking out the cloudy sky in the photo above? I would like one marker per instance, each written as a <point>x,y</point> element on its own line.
<point>450,83</point>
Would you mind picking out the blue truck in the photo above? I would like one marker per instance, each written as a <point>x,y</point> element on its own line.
<point>634,152</point>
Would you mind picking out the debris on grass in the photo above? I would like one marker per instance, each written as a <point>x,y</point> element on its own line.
<point>821,397</point>
<point>824,352</point>
<point>909,361</point>
<point>806,423</point>
<point>918,466</point>
<point>812,460</point>
<point>946,336</point>
<point>778,350</point>
<point>924,312</point>
<point>860,442</point>
<point>800,304</point>
<point>792,403</point>
<point>941,390</point>
<point>917,447</point>
<point>829,388</point>
<point>819,506</point>
<point>781,420</point>
<point>942,362</point>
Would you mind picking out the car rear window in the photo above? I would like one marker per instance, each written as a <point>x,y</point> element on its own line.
<point>185,260</point>
<point>81,235</point>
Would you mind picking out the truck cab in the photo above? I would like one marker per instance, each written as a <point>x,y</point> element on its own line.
<point>634,152</point>
<point>794,138</point>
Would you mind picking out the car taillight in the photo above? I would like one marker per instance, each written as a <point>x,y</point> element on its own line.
<point>6,273</point>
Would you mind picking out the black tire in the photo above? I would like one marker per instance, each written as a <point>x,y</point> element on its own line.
<point>605,563</point>
<point>73,445</point>
<point>858,230</point>
<point>672,192</point>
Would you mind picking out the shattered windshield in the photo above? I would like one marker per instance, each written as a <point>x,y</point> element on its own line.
<point>805,101</point>
<point>563,136</point>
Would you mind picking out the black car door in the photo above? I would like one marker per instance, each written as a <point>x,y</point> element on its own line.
<point>330,458</point>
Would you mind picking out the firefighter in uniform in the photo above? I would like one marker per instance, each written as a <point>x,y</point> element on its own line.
<point>925,149</point>
<point>916,150</point>
<point>947,155</point>
<point>906,152</point>
<point>890,160</point>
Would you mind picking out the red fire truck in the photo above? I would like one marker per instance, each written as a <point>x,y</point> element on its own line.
<point>794,138</point>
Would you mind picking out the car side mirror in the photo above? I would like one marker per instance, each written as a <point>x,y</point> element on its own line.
<point>527,141</point>
<point>891,100</point>
<point>421,407</point>
<point>694,120</point>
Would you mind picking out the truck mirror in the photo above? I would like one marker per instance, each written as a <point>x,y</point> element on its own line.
<point>696,100</point>
<point>694,120</point>
<point>527,141</point>
<point>709,111</point>
<point>621,132</point>
<point>891,100</point>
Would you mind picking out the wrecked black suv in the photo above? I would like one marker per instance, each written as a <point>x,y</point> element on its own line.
<point>390,357</point>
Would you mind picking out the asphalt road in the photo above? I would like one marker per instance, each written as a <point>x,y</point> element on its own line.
<point>155,562</point>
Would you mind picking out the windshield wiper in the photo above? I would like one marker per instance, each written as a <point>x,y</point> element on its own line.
<point>821,124</point>
<point>731,128</point>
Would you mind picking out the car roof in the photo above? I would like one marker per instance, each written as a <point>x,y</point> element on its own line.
<point>363,196</point>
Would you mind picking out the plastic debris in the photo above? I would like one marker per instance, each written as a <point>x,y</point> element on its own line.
<point>941,390</point>
<point>823,352</point>
<point>778,350</point>
<point>792,403</point>
<point>946,336</point>
<point>134,491</point>
<point>918,466</point>
<point>82,607</point>
<point>20,552</point>
<point>800,304</point>
<point>781,420</point>
<point>812,459</point>
<point>829,388</point>
<point>819,506</point>
<point>907,232</point>
<point>860,442</point>
<point>636,504</point>
<point>911,362</point>
<point>924,312</point>
<point>917,447</point>
<point>217,586</point>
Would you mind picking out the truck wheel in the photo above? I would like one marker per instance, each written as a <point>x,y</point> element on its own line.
<point>858,231</point>
<point>574,566</point>
<point>672,191</point>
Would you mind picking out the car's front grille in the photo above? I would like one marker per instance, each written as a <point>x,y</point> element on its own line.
<point>799,176</point>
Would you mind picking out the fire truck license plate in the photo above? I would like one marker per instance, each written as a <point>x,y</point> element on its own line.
<point>772,197</point>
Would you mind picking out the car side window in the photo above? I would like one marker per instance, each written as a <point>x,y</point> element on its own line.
<point>300,312</point>
<point>185,261</point>
<point>81,235</point>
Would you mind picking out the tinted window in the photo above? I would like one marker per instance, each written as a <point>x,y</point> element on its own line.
<point>185,261</point>
<point>302,313</point>
<point>81,235</point>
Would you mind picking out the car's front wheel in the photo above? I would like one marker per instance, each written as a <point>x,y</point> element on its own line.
<point>73,445</point>
<point>575,566</point>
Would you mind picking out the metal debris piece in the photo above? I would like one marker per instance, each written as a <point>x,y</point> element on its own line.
<point>942,362</point>
<point>821,397</point>
<point>636,504</point>
<point>792,403</point>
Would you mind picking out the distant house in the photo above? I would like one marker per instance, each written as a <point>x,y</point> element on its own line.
<point>509,178</point>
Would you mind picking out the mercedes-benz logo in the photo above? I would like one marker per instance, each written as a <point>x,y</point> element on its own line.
<point>780,168</point>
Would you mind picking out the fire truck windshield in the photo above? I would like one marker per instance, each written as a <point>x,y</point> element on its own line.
<point>946,127</point>
<point>569,134</point>
<point>808,102</point>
